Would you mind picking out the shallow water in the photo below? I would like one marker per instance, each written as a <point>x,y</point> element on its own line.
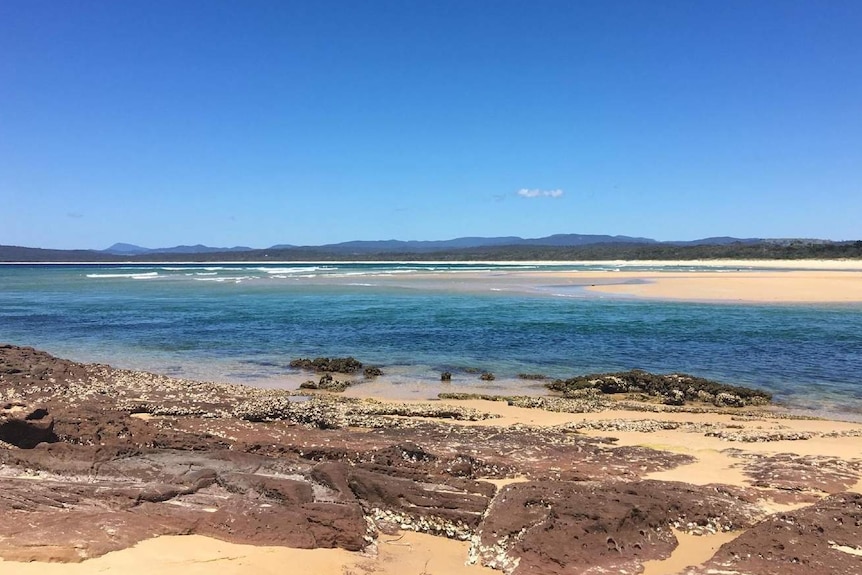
<point>246,322</point>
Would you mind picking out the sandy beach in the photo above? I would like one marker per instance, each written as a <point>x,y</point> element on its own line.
<point>767,281</point>
<point>749,286</point>
<point>736,281</point>
<point>406,552</point>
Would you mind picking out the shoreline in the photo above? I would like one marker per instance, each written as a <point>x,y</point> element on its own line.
<point>841,264</point>
<point>413,486</point>
<point>713,281</point>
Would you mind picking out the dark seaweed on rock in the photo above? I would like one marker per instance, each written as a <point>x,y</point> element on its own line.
<point>469,396</point>
<point>327,364</point>
<point>326,383</point>
<point>673,388</point>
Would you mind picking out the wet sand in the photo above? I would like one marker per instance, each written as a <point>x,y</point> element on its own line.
<point>802,281</point>
<point>402,554</point>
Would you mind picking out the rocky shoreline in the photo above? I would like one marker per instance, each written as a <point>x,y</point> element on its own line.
<point>95,459</point>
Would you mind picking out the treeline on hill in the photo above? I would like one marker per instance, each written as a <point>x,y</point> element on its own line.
<point>597,252</point>
<point>793,250</point>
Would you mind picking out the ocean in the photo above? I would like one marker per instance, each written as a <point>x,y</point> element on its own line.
<point>245,322</point>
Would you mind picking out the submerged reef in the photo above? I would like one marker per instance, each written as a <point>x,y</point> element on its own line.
<point>328,364</point>
<point>672,389</point>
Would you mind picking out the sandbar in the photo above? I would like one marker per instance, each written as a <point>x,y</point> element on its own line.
<point>741,281</point>
<point>741,286</point>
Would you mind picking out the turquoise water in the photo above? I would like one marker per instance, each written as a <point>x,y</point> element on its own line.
<point>246,322</point>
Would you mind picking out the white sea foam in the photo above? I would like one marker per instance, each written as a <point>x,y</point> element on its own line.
<point>219,279</point>
<point>397,272</point>
<point>133,276</point>
<point>291,270</point>
<point>190,268</point>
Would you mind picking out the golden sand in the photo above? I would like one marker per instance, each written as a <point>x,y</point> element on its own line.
<point>404,554</point>
<point>743,286</point>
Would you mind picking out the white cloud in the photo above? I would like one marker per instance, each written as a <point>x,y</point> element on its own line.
<point>528,193</point>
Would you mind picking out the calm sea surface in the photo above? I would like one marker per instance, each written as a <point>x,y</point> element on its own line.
<point>244,323</point>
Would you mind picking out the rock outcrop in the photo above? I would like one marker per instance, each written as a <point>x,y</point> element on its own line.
<point>567,527</point>
<point>94,459</point>
<point>673,389</point>
<point>823,538</point>
<point>328,364</point>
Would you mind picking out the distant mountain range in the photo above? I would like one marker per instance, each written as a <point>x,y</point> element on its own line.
<point>400,246</point>
<point>554,247</point>
<point>133,250</point>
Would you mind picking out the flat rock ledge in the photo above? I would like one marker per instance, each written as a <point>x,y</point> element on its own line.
<point>95,459</point>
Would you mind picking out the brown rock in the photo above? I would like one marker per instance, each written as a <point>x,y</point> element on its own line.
<point>334,476</point>
<point>89,501</point>
<point>562,527</point>
<point>823,538</point>
<point>813,474</point>
<point>22,365</point>
<point>417,499</point>
<point>24,426</point>
<point>308,526</point>
<point>283,490</point>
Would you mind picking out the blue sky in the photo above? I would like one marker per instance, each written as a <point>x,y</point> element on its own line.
<point>255,123</point>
